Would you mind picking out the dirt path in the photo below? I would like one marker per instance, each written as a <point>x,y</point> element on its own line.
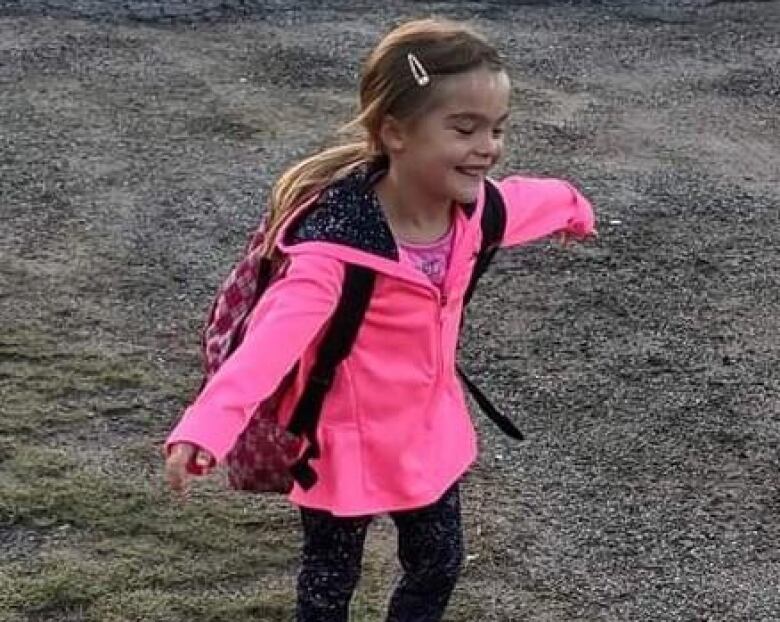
<point>137,140</point>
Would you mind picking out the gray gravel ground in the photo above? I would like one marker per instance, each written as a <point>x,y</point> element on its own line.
<point>138,139</point>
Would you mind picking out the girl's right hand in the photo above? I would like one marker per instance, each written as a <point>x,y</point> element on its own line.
<point>181,459</point>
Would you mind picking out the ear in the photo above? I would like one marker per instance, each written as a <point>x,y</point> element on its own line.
<point>392,135</point>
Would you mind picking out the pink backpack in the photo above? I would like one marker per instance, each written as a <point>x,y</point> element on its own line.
<point>268,457</point>
<point>261,459</point>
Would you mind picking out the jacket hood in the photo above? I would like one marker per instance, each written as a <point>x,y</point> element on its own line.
<point>346,221</point>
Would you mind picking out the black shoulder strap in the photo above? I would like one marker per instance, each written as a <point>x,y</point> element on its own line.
<point>342,332</point>
<point>493,224</point>
<point>336,344</point>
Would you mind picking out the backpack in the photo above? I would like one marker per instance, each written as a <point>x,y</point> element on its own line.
<point>268,457</point>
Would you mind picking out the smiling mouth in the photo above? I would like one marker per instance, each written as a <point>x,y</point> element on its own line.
<point>473,172</point>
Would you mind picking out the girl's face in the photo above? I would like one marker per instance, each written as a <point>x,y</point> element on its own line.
<point>446,154</point>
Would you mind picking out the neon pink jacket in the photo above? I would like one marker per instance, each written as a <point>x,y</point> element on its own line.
<point>394,431</point>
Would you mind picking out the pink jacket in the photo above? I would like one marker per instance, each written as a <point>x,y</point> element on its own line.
<point>395,431</point>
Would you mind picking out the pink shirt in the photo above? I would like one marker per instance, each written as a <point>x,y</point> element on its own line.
<point>431,259</point>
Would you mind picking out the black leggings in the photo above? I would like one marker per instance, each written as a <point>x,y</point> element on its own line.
<point>430,549</point>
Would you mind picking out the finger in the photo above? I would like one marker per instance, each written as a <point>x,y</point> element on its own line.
<point>176,472</point>
<point>182,452</point>
<point>180,489</point>
<point>203,461</point>
<point>174,476</point>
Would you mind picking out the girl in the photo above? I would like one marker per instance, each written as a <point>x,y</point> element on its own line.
<point>405,200</point>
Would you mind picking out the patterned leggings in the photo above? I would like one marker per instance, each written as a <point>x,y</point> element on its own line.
<point>430,549</point>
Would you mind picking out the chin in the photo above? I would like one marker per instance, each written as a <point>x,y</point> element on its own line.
<point>467,193</point>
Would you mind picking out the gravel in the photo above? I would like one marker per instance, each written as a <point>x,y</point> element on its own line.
<point>139,140</point>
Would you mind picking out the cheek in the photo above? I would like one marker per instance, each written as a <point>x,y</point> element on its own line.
<point>453,151</point>
<point>500,149</point>
<point>435,156</point>
<point>436,152</point>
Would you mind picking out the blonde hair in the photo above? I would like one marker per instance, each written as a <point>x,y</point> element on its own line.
<point>388,86</point>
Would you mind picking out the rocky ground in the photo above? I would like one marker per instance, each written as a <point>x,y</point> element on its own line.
<point>137,142</point>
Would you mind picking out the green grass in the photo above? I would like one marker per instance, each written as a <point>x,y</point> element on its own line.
<point>110,543</point>
<point>47,387</point>
<point>131,549</point>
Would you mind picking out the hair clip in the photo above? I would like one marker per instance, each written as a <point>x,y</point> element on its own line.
<point>418,71</point>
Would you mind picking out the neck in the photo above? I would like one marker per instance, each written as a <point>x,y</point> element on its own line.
<point>413,215</point>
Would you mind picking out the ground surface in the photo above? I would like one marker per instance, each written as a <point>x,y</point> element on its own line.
<point>137,141</point>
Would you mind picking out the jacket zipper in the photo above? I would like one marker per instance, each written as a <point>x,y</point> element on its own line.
<point>441,298</point>
<point>440,345</point>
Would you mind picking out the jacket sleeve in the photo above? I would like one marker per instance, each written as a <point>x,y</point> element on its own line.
<point>286,320</point>
<point>539,207</point>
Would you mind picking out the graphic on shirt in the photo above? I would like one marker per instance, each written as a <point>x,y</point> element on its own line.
<point>430,259</point>
<point>433,268</point>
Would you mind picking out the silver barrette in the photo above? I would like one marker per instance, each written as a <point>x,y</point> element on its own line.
<point>418,71</point>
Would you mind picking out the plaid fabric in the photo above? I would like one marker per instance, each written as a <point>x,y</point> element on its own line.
<point>230,310</point>
<point>260,459</point>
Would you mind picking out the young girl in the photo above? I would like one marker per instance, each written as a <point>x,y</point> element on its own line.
<point>405,200</point>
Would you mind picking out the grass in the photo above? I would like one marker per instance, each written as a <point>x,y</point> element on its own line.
<point>110,543</point>
<point>48,387</point>
<point>128,550</point>
<point>121,549</point>
<point>80,474</point>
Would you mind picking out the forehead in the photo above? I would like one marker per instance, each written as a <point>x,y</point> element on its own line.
<point>481,92</point>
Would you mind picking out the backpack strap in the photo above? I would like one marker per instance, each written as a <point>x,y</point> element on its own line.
<point>342,331</point>
<point>493,224</point>
<point>335,346</point>
<point>502,421</point>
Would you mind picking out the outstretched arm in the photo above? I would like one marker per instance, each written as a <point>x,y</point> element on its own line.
<point>286,320</point>
<point>537,208</point>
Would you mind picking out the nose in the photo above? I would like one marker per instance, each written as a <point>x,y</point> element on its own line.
<point>491,146</point>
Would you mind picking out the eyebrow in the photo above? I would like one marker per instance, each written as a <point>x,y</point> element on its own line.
<point>474,116</point>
